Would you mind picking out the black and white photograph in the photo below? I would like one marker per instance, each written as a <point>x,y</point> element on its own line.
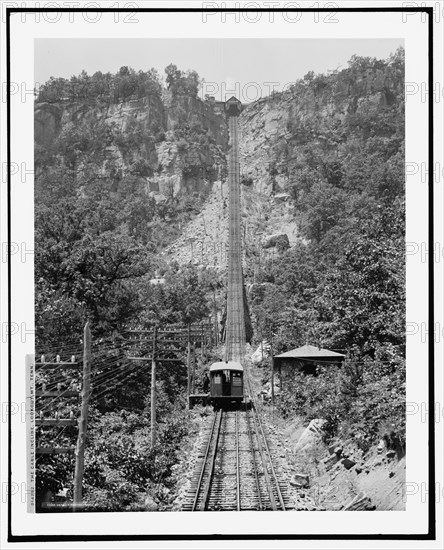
<point>224,276</point>
<point>219,259</point>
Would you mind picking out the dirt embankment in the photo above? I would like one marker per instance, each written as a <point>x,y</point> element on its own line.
<point>204,239</point>
<point>341,477</point>
<point>337,476</point>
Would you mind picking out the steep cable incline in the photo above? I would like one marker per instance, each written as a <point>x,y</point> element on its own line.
<point>235,327</point>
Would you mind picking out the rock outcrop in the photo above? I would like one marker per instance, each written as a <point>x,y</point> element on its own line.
<point>153,130</point>
<point>279,241</point>
<point>177,146</point>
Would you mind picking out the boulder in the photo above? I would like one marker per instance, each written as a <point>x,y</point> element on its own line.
<point>256,356</point>
<point>280,241</point>
<point>281,197</point>
<point>329,461</point>
<point>158,197</point>
<point>360,502</point>
<point>302,480</point>
<point>150,504</point>
<point>338,450</point>
<point>312,433</point>
<point>348,463</point>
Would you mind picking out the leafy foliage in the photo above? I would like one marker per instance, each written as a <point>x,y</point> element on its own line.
<point>122,464</point>
<point>106,88</point>
<point>182,298</point>
<point>343,285</point>
<point>99,233</point>
<point>180,83</point>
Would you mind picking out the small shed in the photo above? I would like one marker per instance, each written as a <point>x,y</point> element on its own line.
<point>306,359</point>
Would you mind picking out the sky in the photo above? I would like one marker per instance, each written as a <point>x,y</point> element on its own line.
<point>247,68</point>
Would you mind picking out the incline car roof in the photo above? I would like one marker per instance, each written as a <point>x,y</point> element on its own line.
<point>230,365</point>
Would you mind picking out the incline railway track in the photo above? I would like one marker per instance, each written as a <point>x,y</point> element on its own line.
<point>235,469</point>
<point>235,322</point>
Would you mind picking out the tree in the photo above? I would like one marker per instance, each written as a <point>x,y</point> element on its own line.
<point>180,83</point>
<point>361,301</point>
<point>173,75</point>
<point>183,298</point>
<point>268,305</point>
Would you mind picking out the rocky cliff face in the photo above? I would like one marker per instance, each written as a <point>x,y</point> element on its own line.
<point>178,163</point>
<point>299,151</point>
<point>266,222</point>
<point>159,129</point>
<point>326,113</point>
<point>262,125</point>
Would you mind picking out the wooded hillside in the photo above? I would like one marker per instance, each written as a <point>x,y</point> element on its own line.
<point>113,188</point>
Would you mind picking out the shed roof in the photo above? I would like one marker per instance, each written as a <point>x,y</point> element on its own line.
<point>310,352</point>
<point>226,365</point>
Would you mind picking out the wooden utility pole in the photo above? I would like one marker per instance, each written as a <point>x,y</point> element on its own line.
<point>193,355</point>
<point>272,369</point>
<point>202,343</point>
<point>83,422</point>
<point>189,364</point>
<point>153,390</point>
<point>215,317</point>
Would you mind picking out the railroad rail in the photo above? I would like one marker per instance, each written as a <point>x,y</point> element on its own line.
<point>235,468</point>
<point>266,451</point>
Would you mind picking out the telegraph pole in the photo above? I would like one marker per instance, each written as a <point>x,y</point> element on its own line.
<point>272,369</point>
<point>216,329</point>
<point>189,364</point>
<point>83,422</point>
<point>193,355</point>
<point>153,390</point>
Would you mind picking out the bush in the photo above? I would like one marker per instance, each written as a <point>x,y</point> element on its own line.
<point>120,462</point>
<point>356,401</point>
<point>247,181</point>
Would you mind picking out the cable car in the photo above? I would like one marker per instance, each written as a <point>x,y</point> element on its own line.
<point>226,383</point>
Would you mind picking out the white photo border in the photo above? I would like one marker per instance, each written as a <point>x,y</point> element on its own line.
<point>415,522</point>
